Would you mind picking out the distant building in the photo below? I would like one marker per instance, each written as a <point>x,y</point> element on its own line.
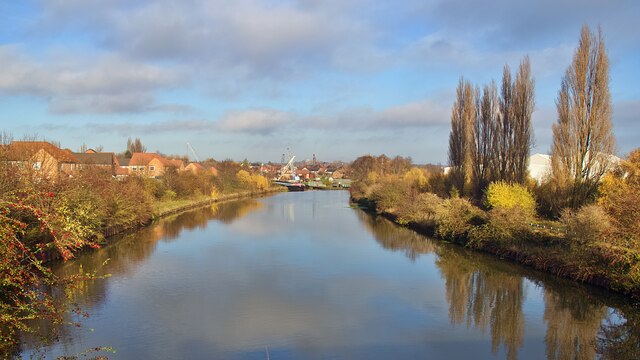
<point>152,164</point>
<point>539,167</point>
<point>103,160</point>
<point>44,159</point>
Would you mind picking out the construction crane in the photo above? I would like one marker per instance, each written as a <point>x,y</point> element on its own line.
<point>289,167</point>
<point>195,155</point>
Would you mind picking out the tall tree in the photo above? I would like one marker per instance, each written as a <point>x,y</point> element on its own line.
<point>522,108</point>
<point>583,138</point>
<point>134,146</point>
<point>463,115</point>
<point>482,149</point>
<point>512,131</point>
<point>503,132</point>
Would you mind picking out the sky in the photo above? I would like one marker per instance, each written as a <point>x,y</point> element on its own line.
<point>258,78</point>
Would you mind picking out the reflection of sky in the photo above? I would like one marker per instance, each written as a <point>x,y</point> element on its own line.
<point>312,286</point>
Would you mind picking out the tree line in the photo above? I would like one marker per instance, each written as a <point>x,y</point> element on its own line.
<point>492,134</point>
<point>582,220</point>
<point>43,218</point>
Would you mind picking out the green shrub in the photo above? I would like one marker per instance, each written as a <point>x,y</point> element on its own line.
<point>420,210</point>
<point>389,195</point>
<point>455,217</point>
<point>154,187</point>
<point>169,195</point>
<point>80,212</point>
<point>503,225</point>
<point>438,184</point>
<point>509,196</point>
<point>126,202</point>
<point>587,225</point>
<point>620,198</point>
<point>416,178</point>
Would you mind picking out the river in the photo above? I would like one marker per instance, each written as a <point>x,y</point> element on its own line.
<point>306,276</point>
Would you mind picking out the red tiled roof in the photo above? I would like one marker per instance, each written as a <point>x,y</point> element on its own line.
<point>122,171</point>
<point>24,150</point>
<point>197,166</point>
<point>174,162</point>
<point>143,159</point>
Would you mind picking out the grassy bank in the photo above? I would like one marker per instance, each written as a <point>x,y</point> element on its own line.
<point>541,244</point>
<point>42,219</point>
<point>163,208</point>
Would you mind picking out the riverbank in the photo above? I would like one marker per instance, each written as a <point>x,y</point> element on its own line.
<point>229,264</point>
<point>163,209</point>
<point>610,267</point>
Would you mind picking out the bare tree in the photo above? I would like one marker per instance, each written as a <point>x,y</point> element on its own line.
<point>512,131</point>
<point>482,148</point>
<point>463,115</point>
<point>503,132</point>
<point>400,165</point>
<point>522,108</point>
<point>6,138</point>
<point>582,138</point>
<point>134,146</point>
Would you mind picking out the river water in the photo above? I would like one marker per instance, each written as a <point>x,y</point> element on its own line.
<point>306,276</point>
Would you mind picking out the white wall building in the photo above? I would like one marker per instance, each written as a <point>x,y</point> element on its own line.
<point>539,167</point>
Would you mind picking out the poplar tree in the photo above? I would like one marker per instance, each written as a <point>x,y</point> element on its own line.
<point>482,149</point>
<point>463,115</point>
<point>502,134</point>
<point>522,108</point>
<point>582,137</point>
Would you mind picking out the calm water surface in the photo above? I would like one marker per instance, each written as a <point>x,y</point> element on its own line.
<point>305,276</point>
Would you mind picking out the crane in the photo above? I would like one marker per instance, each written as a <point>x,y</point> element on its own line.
<point>289,167</point>
<point>195,155</point>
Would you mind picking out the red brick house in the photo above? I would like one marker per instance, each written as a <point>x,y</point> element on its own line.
<point>42,158</point>
<point>152,164</point>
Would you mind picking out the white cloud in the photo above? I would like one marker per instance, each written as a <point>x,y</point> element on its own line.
<point>102,84</point>
<point>415,114</point>
<point>255,121</point>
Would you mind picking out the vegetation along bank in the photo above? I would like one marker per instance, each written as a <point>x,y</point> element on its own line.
<point>580,218</point>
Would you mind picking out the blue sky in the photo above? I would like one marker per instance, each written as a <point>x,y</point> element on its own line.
<point>249,79</point>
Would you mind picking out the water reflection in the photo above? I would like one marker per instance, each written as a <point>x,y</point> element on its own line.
<point>485,293</point>
<point>123,258</point>
<point>573,323</point>
<point>393,237</point>
<point>296,273</point>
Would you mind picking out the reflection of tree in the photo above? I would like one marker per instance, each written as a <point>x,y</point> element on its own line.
<point>229,212</point>
<point>573,320</point>
<point>620,340</point>
<point>489,294</point>
<point>483,295</point>
<point>125,254</point>
<point>170,229</point>
<point>395,238</point>
<point>478,292</point>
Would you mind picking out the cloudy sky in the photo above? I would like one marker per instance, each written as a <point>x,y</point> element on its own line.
<point>250,78</point>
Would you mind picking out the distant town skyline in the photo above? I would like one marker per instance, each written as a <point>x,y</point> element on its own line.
<point>251,79</point>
